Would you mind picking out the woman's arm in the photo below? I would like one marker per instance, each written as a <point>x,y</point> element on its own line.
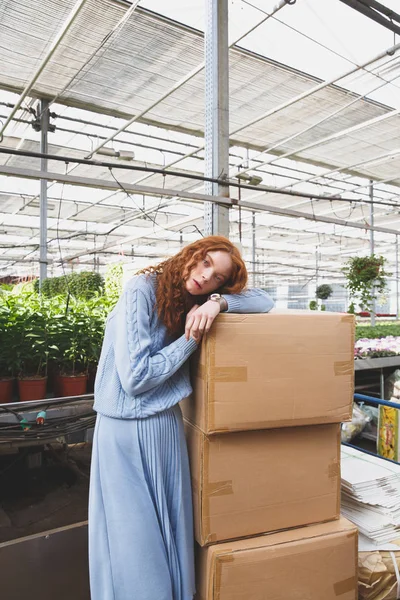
<point>250,301</point>
<point>138,369</point>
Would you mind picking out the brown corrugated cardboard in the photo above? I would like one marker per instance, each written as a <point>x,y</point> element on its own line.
<point>377,575</point>
<point>318,562</point>
<point>273,370</point>
<point>252,482</point>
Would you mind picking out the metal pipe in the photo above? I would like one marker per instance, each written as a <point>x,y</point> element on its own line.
<point>196,197</point>
<point>397,277</point>
<point>120,23</point>
<point>372,247</point>
<point>369,12</point>
<point>333,136</point>
<point>382,158</point>
<point>44,128</point>
<point>377,401</point>
<point>254,247</point>
<point>53,47</point>
<point>216,128</point>
<point>184,174</point>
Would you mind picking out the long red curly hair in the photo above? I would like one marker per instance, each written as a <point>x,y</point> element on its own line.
<point>173,301</point>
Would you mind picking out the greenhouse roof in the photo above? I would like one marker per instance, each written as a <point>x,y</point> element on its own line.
<point>321,135</point>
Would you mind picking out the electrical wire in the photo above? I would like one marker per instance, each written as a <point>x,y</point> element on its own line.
<point>146,214</point>
<point>338,54</point>
<point>183,174</point>
<point>271,171</point>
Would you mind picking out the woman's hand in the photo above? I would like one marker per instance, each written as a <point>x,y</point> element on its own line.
<point>200,319</point>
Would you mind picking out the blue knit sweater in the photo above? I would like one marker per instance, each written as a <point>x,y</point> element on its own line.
<point>142,370</point>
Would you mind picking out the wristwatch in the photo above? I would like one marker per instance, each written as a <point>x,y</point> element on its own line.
<point>218,298</point>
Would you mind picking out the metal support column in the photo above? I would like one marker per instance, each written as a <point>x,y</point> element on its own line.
<point>319,301</point>
<point>372,247</point>
<point>216,130</point>
<point>253,228</point>
<point>44,128</point>
<point>397,277</point>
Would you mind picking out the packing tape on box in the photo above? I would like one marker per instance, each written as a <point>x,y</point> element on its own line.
<point>345,586</point>
<point>348,319</point>
<point>222,558</point>
<point>223,374</point>
<point>333,470</point>
<point>344,367</point>
<point>220,488</point>
<point>225,558</point>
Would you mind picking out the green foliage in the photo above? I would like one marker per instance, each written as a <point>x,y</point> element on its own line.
<point>352,308</point>
<point>365,278</point>
<point>80,285</point>
<point>113,282</point>
<point>323,291</point>
<point>378,331</point>
<point>36,330</point>
<point>323,307</point>
<point>77,333</point>
<point>313,305</point>
<point>8,336</point>
<point>23,327</point>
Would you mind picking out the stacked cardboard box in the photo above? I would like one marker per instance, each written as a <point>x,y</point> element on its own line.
<point>263,431</point>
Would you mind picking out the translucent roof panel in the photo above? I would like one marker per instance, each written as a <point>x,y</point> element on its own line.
<point>301,135</point>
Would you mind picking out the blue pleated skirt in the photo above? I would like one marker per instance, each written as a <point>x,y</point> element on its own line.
<point>140,510</point>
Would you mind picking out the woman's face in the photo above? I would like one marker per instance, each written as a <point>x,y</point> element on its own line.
<point>209,274</point>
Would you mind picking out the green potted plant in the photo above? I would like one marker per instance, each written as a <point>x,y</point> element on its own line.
<point>323,291</point>
<point>8,363</point>
<point>313,305</point>
<point>366,278</point>
<point>32,351</point>
<point>69,334</point>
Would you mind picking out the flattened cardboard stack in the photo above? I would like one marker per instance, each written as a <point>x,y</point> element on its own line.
<point>371,495</point>
<point>263,432</point>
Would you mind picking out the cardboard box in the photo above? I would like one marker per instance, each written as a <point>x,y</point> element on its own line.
<point>252,482</point>
<point>273,370</point>
<point>311,563</point>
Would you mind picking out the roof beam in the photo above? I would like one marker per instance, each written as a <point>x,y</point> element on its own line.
<point>294,136</point>
<point>53,47</point>
<point>134,188</point>
<point>181,82</point>
<point>322,85</point>
<point>377,12</point>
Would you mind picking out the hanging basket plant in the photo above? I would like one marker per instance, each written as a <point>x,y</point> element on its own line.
<point>366,278</point>
<point>323,291</point>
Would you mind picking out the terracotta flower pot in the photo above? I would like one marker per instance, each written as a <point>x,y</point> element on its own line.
<point>32,388</point>
<point>6,389</point>
<point>72,385</point>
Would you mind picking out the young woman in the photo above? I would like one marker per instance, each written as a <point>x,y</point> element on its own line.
<point>140,507</point>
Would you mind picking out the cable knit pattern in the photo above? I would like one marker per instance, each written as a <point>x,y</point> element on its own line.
<point>142,370</point>
<point>250,301</point>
